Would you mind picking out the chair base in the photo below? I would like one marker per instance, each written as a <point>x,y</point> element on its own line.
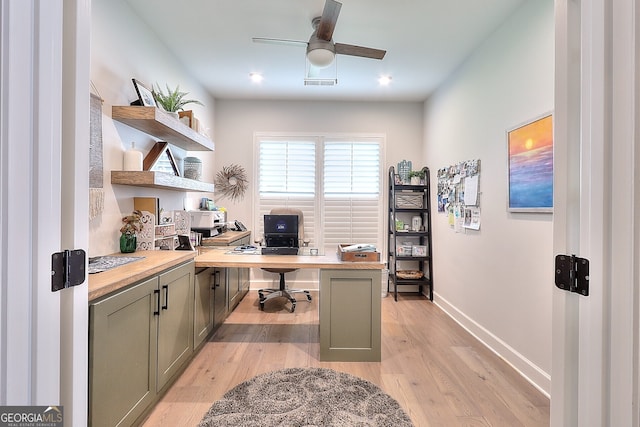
<point>269,293</point>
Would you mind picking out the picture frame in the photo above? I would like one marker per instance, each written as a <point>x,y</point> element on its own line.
<point>145,96</point>
<point>160,159</point>
<point>530,165</point>
<point>190,119</point>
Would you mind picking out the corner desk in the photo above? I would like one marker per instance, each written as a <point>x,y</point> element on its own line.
<point>349,299</point>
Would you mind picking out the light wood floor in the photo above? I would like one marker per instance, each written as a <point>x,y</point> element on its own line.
<point>438,373</point>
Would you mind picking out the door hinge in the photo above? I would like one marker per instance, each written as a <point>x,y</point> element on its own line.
<point>572,274</point>
<point>67,269</point>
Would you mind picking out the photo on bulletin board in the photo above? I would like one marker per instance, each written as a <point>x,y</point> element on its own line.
<point>530,156</point>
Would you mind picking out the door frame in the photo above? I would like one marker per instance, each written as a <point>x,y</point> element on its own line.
<point>595,338</point>
<point>44,163</point>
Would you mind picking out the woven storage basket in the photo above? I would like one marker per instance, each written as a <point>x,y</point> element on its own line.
<point>409,200</point>
<point>409,274</point>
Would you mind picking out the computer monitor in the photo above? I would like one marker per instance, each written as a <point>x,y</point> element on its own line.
<point>281,230</point>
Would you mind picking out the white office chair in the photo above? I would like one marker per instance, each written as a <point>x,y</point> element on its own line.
<point>270,293</point>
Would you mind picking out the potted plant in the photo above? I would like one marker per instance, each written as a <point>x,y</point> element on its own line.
<point>416,177</point>
<point>132,225</point>
<point>174,100</point>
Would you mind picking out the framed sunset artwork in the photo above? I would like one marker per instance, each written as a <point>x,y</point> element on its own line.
<point>530,148</point>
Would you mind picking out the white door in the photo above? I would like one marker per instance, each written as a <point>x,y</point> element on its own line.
<point>44,129</point>
<point>595,338</point>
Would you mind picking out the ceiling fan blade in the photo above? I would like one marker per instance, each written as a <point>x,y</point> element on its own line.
<point>328,20</point>
<point>365,52</point>
<point>278,41</point>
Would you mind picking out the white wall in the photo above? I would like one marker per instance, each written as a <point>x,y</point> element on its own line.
<point>497,281</point>
<point>123,47</point>
<point>237,120</point>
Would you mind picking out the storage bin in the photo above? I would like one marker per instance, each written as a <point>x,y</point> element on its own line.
<point>403,250</point>
<point>418,250</point>
<point>357,256</point>
<point>409,200</point>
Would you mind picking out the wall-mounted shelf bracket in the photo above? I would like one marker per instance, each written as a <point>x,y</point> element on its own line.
<point>67,269</point>
<point>572,274</point>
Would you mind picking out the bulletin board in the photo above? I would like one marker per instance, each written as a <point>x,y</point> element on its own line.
<point>459,195</point>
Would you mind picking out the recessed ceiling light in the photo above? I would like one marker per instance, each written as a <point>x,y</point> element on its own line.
<point>256,77</point>
<point>384,80</point>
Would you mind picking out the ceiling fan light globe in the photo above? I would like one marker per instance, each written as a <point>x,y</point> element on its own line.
<point>320,57</point>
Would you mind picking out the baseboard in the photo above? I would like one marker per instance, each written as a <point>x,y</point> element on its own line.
<point>531,372</point>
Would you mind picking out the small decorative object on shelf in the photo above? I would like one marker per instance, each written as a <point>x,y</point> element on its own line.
<point>145,96</point>
<point>192,168</point>
<point>132,159</point>
<point>404,168</point>
<point>174,100</point>
<point>160,159</point>
<point>132,225</point>
<point>416,177</point>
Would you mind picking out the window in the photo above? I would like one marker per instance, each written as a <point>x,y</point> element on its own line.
<point>335,182</point>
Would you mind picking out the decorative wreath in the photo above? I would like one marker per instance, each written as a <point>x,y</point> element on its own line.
<point>231,182</point>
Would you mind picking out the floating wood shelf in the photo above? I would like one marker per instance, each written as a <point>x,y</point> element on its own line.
<point>161,125</point>
<point>159,180</point>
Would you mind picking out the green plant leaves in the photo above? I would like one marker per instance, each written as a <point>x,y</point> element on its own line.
<point>174,100</point>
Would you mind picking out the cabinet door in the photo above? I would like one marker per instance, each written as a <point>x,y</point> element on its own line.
<point>122,355</point>
<point>350,315</point>
<point>220,296</point>
<point>233,288</point>
<point>203,307</point>
<point>244,281</point>
<point>175,323</point>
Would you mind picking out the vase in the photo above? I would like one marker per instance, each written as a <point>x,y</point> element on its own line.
<point>415,180</point>
<point>127,243</point>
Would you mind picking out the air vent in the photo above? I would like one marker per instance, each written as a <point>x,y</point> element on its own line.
<point>320,82</point>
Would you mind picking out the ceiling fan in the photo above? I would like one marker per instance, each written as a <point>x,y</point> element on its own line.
<point>321,49</point>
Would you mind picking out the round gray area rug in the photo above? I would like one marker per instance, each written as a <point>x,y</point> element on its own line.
<point>306,397</point>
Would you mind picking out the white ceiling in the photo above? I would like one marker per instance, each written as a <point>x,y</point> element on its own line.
<point>425,40</point>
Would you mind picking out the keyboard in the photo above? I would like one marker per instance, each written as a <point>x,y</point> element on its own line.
<point>279,251</point>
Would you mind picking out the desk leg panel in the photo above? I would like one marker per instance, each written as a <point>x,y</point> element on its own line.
<point>350,320</point>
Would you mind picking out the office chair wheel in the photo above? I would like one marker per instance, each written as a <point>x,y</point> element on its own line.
<point>308,297</point>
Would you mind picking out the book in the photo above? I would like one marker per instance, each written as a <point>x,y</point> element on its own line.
<point>149,204</point>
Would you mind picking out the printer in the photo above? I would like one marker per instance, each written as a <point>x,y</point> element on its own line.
<point>209,223</point>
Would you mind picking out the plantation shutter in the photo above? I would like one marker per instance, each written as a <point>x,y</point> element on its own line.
<point>352,203</point>
<point>287,178</point>
<point>336,184</point>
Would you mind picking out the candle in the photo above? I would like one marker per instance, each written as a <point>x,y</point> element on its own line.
<point>132,159</point>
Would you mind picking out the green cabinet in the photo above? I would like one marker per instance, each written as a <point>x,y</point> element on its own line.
<point>175,322</point>
<point>237,286</point>
<point>210,302</point>
<point>217,292</point>
<point>139,338</point>
<point>204,305</point>
<point>220,296</point>
<point>350,315</point>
